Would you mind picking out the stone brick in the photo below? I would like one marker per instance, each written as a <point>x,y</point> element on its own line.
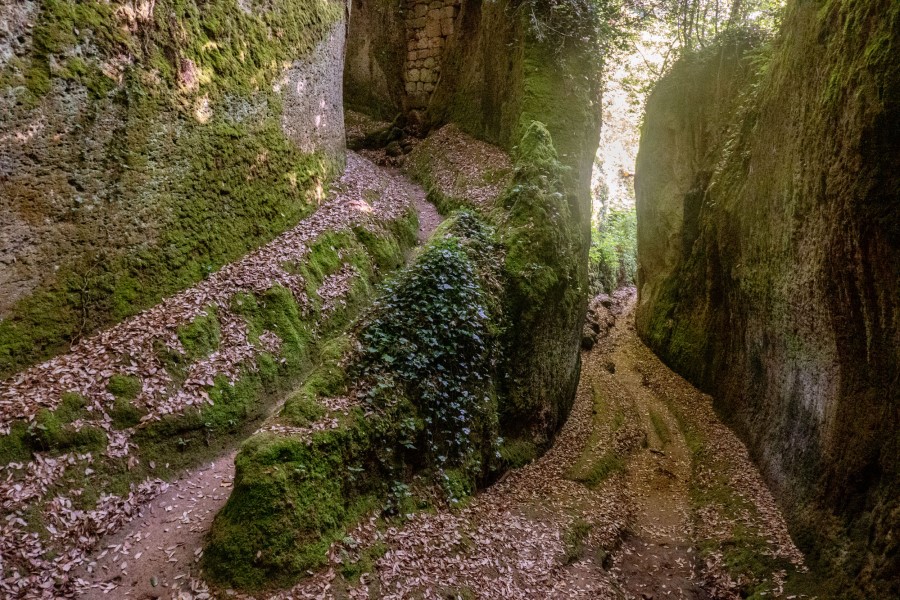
<point>433,28</point>
<point>414,74</point>
<point>428,63</point>
<point>410,87</point>
<point>449,12</point>
<point>429,87</point>
<point>420,10</point>
<point>436,4</point>
<point>447,27</point>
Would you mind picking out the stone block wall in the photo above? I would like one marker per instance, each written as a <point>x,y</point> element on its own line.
<point>429,25</point>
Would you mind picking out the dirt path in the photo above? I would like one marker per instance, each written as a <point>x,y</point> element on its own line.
<point>657,559</point>
<point>157,553</point>
<point>429,218</point>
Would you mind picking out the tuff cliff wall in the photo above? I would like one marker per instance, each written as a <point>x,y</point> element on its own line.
<point>769,252</point>
<point>145,144</point>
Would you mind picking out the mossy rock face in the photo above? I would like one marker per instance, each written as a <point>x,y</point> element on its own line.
<point>291,499</point>
<point>180,149</point>
<point>165,448</point>
<point>545,293</point>
<point>52,431</point>
<point>296,492</point>
<point>769,262</point>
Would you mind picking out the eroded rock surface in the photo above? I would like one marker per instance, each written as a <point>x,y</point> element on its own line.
<point>769,256</point>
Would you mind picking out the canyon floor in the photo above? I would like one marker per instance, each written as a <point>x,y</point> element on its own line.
<point>644,494</point>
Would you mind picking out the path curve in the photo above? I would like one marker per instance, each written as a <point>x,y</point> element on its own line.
<point>157,554</point>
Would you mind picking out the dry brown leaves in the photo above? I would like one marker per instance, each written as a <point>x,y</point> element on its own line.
<point>130,348</point>
<point>465,168</point>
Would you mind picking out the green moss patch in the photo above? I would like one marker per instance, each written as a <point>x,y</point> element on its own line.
<point>52,431</point>
<point>575,541</point>
<point>291,499</point>
<point>200,337</point>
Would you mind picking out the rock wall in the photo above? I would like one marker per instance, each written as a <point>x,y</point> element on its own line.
<point>312,114</point>
<point>146,144</point>
<point>429,26</point>
<point>396,52</point>
<point>373,72</point>
<point>769,255</point>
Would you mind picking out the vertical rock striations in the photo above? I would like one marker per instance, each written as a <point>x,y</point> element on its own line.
<point>769,248</point>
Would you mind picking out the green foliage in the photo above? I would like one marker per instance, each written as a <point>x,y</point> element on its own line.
<point>425,365</point>
<point>432,334</point>
<point>697,24</point>
<point>164,448</point>
<point>613,252</point>
<point>601,24</point>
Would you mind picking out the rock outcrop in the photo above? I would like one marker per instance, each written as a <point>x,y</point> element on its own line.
<point>769,254</point>
<point>144,145</point>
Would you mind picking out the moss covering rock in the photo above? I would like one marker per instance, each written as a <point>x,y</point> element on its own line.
<point>459,352</point>
<point>772,177</point>
<point>152,152</point>
<point>419,398</point>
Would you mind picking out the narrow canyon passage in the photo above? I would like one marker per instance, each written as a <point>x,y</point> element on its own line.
<point>617,508</point>
<point>352,299</point>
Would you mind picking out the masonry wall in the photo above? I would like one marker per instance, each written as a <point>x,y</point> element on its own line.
<point>429,27</point>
